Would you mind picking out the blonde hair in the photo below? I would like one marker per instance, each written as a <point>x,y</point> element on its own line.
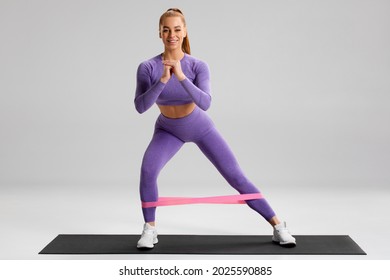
<point>175,12</point>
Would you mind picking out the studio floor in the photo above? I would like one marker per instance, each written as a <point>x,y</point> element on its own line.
<point>32,216</point>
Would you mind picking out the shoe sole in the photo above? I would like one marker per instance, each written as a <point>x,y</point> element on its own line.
<point>285,244</point>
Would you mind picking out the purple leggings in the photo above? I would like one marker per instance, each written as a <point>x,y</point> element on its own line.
<point>170,135</point>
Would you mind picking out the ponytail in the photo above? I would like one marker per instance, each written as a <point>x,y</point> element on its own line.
<point>186,45</point>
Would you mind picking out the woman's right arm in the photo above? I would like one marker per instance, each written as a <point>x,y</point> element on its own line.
<point>146,93</point>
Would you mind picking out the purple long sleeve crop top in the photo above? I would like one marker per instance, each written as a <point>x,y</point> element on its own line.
<point>195,88</point>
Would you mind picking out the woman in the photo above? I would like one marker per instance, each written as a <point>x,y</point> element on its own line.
<point>179,84</point>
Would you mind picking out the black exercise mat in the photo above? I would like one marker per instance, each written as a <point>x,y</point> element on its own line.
<point>203,244</point>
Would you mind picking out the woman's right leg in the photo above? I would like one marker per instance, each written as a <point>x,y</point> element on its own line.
<point>161,149</point>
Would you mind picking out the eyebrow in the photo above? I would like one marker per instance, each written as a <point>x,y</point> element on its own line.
<point>178,26</point>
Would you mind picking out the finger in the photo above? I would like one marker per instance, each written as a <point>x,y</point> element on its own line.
<point>170,62</point>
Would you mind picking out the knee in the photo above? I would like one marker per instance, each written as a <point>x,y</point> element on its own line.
<point>149,173</point>
<point>243,185</point>
<point>148,184</point>
<point>239,181</point>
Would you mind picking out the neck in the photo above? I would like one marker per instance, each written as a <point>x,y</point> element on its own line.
<point>173,55</point>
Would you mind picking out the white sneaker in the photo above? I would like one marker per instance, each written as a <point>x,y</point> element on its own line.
<point>148,237</point>
<point>282,236</point>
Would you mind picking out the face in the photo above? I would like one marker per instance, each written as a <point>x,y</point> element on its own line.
<point>172,32</point>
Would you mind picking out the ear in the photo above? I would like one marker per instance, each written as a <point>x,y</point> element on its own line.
<point>159,34</point>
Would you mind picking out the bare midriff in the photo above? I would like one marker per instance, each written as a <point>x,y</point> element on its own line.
<point>177,111</point>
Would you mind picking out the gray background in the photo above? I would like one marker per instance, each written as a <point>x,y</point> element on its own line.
<point>300,92</point>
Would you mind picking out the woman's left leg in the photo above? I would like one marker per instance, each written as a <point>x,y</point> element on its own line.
<point>218,152</point>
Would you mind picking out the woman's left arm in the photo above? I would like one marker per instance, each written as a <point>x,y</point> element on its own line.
<point>200,89</point>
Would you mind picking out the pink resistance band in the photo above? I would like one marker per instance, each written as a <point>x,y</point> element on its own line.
<point>226,199</point>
